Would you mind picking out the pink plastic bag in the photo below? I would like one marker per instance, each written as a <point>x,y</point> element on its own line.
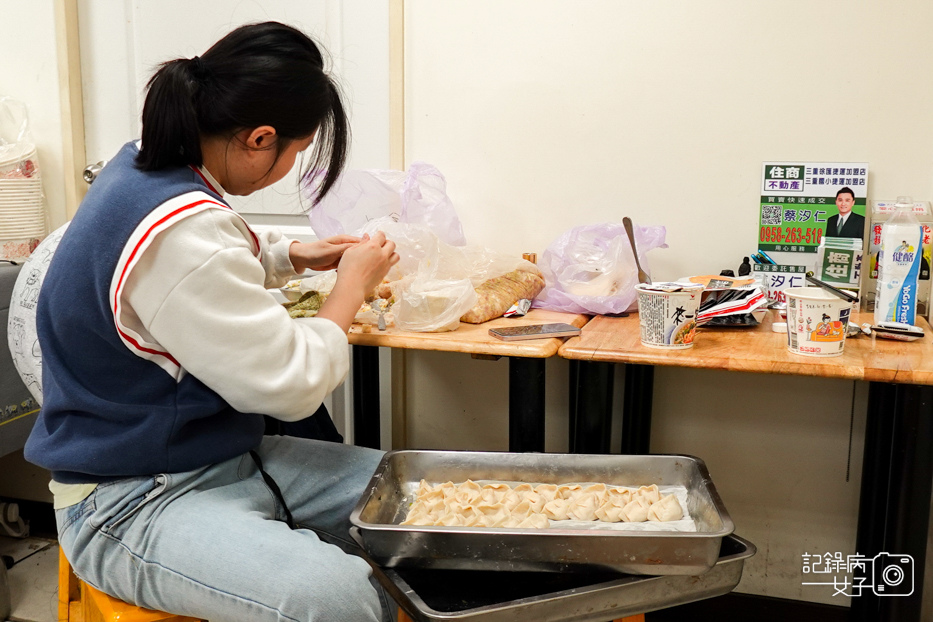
<point>418,197</point>
<point>591,269</point>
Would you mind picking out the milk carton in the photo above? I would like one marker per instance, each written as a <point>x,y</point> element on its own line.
<point>879,212</point>
<point>899,266</point>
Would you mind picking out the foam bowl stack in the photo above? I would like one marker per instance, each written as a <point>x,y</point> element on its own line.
<point>23,221</point>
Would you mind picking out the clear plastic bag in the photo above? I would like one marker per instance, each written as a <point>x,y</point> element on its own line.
<point>432,305</point>
<point>418,197</point>
<point>591,269</point>
<point>433,282</point>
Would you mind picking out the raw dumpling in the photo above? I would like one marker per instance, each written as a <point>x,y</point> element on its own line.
<point>418,515</point>
<point>609,513</point>
<point>536,501</point>
<point>599,490</point>
<point>547,491</point>
<point>447,488</point>
<point>583,507</point>
<point>556,509</point>
<point>636,510</point>
<point>423,488</point>
<point>651,494</point>
<point>619,496</point>
<point>467,492</point>
<point>568,490</point>
<point>667,509</point>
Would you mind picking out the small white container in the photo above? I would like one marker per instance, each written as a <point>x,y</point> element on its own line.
<point>816,321</point>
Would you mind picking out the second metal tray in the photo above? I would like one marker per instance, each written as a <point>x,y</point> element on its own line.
<point>468,596</point>
<point>384,504</point>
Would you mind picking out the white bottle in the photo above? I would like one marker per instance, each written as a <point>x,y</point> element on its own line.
<point>899,265</point>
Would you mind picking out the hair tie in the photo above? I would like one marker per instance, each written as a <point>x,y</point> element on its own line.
<point>198,70</point>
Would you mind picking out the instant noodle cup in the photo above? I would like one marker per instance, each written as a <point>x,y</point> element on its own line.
<point>816,321</point>
<point>667,313</point>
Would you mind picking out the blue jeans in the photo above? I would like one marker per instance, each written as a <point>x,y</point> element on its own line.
<point>204,543</point>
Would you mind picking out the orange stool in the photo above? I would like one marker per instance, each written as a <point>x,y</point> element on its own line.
<point>79,602</point>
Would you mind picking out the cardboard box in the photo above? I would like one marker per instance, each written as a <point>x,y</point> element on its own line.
<point>879,212</point>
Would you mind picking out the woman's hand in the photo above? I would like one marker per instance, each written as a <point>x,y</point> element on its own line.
<point>320,254</point>
<point>361,269</point>
<point>368,262</point>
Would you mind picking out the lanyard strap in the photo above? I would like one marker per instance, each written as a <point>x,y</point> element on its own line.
<point>274,488</point>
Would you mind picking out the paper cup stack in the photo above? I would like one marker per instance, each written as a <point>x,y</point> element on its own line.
<point>22,206</point>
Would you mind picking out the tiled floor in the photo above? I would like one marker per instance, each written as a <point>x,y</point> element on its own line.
<point>33,579</point>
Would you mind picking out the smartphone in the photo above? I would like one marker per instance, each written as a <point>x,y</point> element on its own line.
<point>534,331</point>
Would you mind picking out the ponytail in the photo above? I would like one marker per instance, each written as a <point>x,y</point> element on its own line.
<point>170,135</point>
<point>259,74</point>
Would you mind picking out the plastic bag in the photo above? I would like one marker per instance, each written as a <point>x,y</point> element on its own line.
<point>433,282</point>
<point>431,305</point>
<point>591,269</point>
<point>418,197</point>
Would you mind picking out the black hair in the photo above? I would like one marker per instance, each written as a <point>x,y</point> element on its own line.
<point>258,74</point>
<point>846,189</point>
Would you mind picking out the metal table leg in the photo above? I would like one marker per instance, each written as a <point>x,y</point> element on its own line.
<point>526,404</point>
<point>894,507</point>
<point>590,406</point>
<point>636,409</point>
<point>366,396</point>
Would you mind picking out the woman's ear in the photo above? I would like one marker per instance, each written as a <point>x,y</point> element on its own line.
<point>263,137</point>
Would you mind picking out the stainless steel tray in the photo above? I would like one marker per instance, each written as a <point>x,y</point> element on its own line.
<point>470,596</point>
<point>385,503</point>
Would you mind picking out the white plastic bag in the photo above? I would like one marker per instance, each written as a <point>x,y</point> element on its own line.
<point>591,268</point>
<point>418,197</point>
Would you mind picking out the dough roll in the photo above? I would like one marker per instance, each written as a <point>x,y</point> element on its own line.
<point>496,295</point>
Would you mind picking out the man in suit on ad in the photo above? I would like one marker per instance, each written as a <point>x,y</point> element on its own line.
<point>845,224</point>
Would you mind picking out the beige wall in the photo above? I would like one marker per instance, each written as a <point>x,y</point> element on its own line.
<point>546,114</point>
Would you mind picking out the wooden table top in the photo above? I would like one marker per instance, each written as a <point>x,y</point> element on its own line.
<point>759,349</point>
<point>473,338</point>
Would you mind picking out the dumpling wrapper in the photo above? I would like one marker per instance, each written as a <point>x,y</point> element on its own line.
<point>556,509</point>
<point>583,506</point>
<point>636,511</point>
<point>548,492</point>
<point>665,510</point>
<point>567,491</point>
<point>609,513</point>
<point>651,494</point>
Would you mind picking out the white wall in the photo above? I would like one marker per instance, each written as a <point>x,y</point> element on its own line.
<point>123,44</point>
<point>546,114</point>
<point>29,73</point>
